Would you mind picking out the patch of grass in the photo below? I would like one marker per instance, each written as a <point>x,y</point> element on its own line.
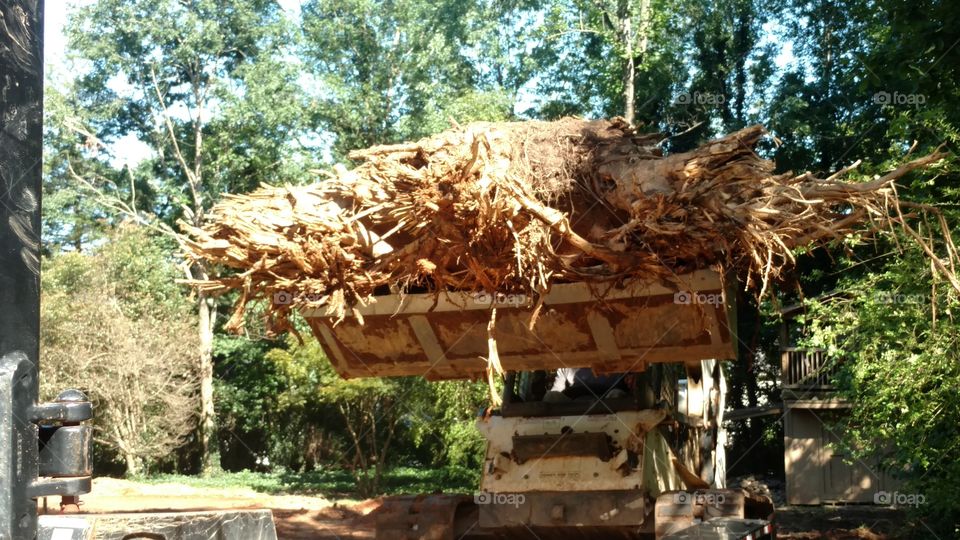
<point>257,481</point>
<point>330,483</point>
<point>410,480</point>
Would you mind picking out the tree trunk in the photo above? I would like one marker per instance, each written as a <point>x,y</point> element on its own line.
<point>209,445</point>
<point>134,465</point>
<point>629,69</point>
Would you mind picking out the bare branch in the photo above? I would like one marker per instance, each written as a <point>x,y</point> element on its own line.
<point>192,181</point>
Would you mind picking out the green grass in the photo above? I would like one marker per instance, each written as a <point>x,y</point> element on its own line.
<point>330,483</point>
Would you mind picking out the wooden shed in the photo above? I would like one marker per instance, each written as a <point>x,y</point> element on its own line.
<point>816,471</point>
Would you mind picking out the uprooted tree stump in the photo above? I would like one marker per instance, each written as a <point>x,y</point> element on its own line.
<point>514,207</point>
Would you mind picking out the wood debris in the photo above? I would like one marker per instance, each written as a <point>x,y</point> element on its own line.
<point>514,207</point>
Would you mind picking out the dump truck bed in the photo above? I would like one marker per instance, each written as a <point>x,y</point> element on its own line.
<point>606,327</point>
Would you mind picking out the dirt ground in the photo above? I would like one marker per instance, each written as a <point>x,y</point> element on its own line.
<point>296,516</point>
<point>850,522</point>
<point>314,517</point>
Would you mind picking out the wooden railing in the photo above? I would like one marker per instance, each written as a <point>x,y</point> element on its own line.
<point>806,368</point>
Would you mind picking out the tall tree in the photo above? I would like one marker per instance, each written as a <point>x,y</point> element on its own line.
<point>71,220</point>
<point>819,98</point>
<point>401,69</point>
<point>610,58</point>
<point>206,86</point>
<point>115,324</point>
<point>729,61</point>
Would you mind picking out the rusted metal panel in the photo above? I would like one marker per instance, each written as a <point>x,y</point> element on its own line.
<point>629,438</point>
<point>565,514</point>
<point>607,328</point>
<point>527,447</point>
<point>421,517</point>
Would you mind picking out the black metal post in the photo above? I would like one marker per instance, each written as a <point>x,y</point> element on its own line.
<point>58,462</point>
<point>21,164</point>
<point>21,149</point>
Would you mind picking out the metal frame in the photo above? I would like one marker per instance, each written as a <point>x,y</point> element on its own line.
<point>44,448</point>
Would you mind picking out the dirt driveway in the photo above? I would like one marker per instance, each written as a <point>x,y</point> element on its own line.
<point>296,516</point>
<point>315,517</point>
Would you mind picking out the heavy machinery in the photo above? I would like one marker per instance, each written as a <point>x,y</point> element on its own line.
<point>612,407</point>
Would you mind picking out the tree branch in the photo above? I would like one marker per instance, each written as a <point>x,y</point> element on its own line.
<point>187,170</point>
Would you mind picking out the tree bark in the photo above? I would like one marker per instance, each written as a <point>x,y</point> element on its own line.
<point>209,447</point>
<point>134,465</point>
<point>629,69</point>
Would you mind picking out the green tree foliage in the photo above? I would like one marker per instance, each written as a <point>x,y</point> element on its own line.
<point>246,390</point>
<point>586,53</point>
<point>283,401</point>
<point>72,219</point>
<point>731,67</point>
<point>895,332</point>
<point>115,325</point>
<point>452,424</point>
<point>402,69</point>
<point>820,103</point>
<point>208,87</point>
<point>870,81</point>
<point>247,95</point>
<point>692,69</point>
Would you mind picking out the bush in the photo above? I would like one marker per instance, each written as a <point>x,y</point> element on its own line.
<point>115,325</point>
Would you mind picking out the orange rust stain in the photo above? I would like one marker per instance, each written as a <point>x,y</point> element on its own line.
<point>389,342</point>
<point>662,326</point>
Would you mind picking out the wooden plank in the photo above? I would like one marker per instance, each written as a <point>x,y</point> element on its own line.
<point>603,336</point>
<point>707,281</point>
<point>428,339</point>
<point>828,403</point>
<point>802,458</point>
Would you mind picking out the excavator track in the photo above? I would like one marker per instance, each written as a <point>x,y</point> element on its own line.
<point>426,517</point>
